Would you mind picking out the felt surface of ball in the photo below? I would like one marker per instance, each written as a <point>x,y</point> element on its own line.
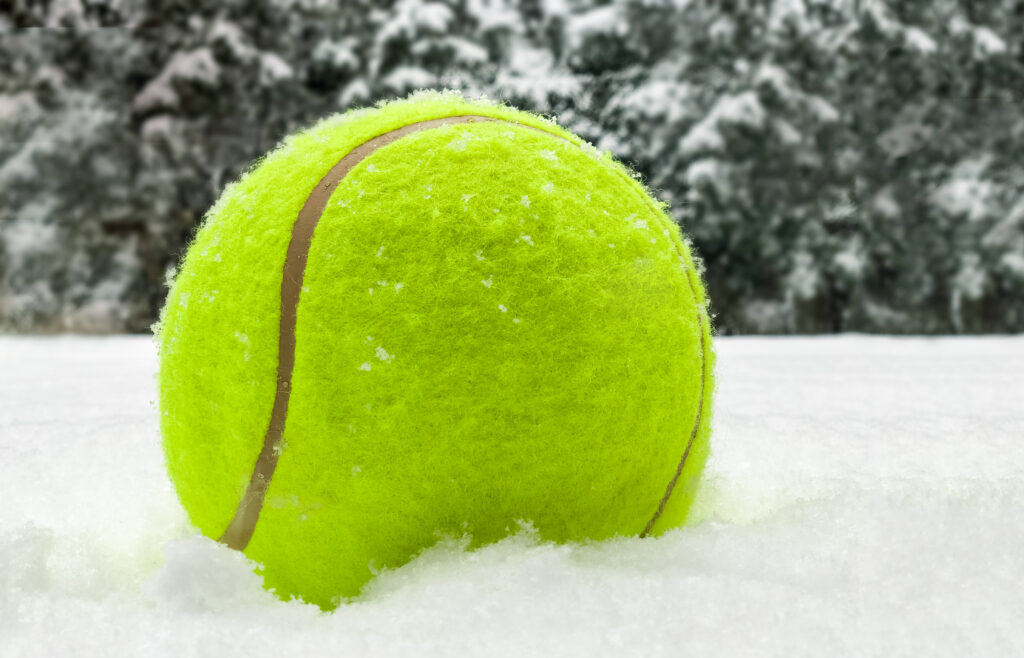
<point>495,325</point>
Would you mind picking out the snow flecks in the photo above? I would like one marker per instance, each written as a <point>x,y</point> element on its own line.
<point>527,239</point>
<point>467,197</point>
<point>479,254</point>
<point>611,245</point>
<point>638,222</point>
<point>356,470</point>
<point>488,282</point>
<point>549,155</point>
<point>502,308</point>
<point>591,150</point>
<point>525,201</point>
<point>383,355</point>
<point>244,340</point>
<point>371,167</point>
<point>382,283</point>
<point>547,187</point>
<point>365,367</point>
<point>380,252</point>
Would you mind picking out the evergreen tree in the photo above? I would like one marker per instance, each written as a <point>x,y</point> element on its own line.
<point>849,165</point>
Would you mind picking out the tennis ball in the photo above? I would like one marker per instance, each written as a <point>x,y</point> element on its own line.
<point>438,317</point>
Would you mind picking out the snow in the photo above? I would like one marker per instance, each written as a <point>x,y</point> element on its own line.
<point>711,173</point>
<point>273,68</point>
<point>466,52</point>
<point>851,261</point>
<point>493,16</point>
<point>196,65</point>
<point>1014,263</point>
<point>881,15</point>
<point>533,74</point>
<point>355,92</point>
<point>788,14</point>
<point>741,109</point>
<point>76,127</point>
<point>821,109</point>
<point>804,278</point>
<point>885,204</point>
<point>969,281</point>
<point>31,232</point>
<point>409,16</point>
<point>774,76</point>
<point>340,55</point>
<point>607,20</point>
<point>970,198</point>
<point>703,136</point>
<point>15,106</point>
<point>404,78</point>
<point>920,41</point>
<point>233,39</point>
<point>987,43</point>
<point>786,133</point>
<point>66,13</point>
<point>666,101</point>
<point>865,497</point>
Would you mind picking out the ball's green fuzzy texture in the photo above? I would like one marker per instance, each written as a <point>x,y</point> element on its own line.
<point>497,325</point>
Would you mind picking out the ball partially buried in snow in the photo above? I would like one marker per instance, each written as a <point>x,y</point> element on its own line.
<point>435,317</point>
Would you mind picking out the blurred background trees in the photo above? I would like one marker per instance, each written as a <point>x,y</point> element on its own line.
<point>840,165</point>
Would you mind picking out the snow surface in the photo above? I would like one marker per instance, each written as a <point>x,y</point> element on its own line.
<point>865,497</point>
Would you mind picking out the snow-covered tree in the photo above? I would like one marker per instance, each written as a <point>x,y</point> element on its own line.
<point>839,165</point>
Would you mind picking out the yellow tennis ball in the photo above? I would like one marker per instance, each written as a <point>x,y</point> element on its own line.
<point>435,317</point>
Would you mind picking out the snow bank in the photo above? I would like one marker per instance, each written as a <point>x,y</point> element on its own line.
<point>865,497</point>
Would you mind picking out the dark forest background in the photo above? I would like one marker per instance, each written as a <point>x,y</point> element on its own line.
<point>840,165</point>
